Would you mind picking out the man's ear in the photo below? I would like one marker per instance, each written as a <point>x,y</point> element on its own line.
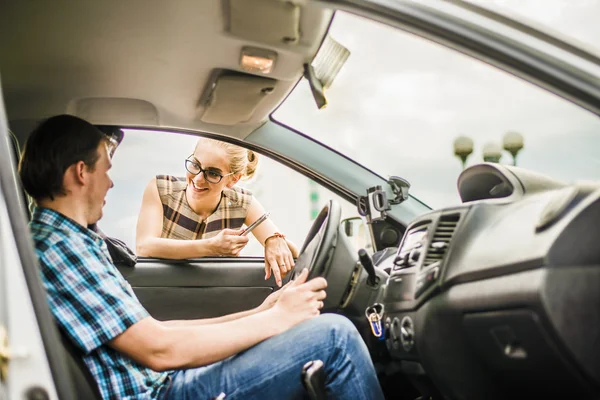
<point>79,172</point>
<point>233,179</point>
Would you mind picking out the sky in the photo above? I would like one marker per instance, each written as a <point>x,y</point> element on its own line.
<point>396,106</point>
<point>400,101</point>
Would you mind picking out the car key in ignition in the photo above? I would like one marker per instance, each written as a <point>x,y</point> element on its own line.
<point>374,314</point>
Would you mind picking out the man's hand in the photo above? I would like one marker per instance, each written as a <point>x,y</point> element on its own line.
<point>301,300</point>
<point>278,258</point>
<point>228,242</point>
<point>272,298</point>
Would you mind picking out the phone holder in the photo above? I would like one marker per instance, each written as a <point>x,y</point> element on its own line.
<point>374,205</point>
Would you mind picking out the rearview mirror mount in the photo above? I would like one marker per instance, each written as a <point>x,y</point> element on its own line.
<point>400,187</point>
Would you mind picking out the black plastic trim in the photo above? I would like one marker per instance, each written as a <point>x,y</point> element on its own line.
<point>210,272</point>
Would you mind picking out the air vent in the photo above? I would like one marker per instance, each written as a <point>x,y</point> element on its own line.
<point>441,239</point>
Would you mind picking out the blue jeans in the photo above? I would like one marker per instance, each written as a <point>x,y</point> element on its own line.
<point>271,369</point>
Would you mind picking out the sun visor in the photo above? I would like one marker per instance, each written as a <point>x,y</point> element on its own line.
<point>234,98</point>
<point>118,111</point>
<point>265,21</point>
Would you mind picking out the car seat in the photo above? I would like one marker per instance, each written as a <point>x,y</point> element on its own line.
<point>84,384</point>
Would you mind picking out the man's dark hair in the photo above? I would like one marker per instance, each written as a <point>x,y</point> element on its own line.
<point>55,145</point>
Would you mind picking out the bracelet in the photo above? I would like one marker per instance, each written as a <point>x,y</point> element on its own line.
<point>276,234</point>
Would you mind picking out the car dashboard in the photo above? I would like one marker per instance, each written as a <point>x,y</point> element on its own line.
<point>499,297</point>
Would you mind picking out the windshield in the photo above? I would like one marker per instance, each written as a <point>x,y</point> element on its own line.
<point>400,103</point>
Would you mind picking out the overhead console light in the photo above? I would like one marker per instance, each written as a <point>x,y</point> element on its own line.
<point>257,60</point>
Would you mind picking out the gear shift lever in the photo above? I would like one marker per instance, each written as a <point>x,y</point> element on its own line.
<point>313,379</point>
<point>367,264</point>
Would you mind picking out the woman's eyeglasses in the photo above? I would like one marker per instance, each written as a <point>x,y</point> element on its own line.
<point>211,176</point>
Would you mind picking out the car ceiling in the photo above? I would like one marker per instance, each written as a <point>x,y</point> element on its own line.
<point>151,63</point>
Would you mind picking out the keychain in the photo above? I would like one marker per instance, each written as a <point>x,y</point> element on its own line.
<point>374,314</point>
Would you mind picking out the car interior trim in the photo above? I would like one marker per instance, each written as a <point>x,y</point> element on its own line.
<point>15,203</point>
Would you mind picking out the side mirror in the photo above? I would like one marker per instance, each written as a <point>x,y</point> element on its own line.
<point>358,233</point>
<point>351,226</point>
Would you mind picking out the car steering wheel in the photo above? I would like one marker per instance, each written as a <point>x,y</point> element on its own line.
<point>319,247</point>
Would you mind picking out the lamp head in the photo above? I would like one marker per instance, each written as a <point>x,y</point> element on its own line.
<point>513,142</point>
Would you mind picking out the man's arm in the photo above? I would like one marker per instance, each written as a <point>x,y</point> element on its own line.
<point>210,321</point>
<point>163,347</point>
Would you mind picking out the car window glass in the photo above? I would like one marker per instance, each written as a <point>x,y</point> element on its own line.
<point>293,199</point>
<point>400,103</point>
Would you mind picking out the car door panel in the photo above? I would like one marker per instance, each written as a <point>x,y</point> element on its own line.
<point>202,302</point>
<point>201,288</point>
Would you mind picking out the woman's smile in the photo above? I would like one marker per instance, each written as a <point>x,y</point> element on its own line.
<point>196,188</point>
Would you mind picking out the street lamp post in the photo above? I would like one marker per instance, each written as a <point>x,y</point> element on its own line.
<point>463,147</point>
<point>492,152</point>
<point>513,143</point>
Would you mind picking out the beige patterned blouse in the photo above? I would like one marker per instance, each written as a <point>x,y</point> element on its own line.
<point>181,222</point>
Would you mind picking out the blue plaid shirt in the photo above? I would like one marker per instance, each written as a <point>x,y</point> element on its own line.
<point>92,303</point>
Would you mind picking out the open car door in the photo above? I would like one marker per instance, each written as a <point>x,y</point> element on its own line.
<point>32,361</point>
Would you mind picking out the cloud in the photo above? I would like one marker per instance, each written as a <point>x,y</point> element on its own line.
<point>400,101</point>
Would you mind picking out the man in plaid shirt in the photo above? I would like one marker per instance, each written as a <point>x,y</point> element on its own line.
<point>252,354</point>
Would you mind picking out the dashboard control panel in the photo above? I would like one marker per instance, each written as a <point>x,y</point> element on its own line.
<point>419,262</point>
<point>412,248</point>
<point>415,276</point>
<point>425,279</point>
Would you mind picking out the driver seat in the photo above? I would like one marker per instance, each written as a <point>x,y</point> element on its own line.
<point>84,384</point>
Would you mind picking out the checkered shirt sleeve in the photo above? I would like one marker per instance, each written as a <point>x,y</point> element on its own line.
<point>89,298</point>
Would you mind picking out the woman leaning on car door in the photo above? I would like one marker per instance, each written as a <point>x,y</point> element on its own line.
<point>202,214</point>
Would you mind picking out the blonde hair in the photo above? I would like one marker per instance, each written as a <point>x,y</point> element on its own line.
<point>241,161</point>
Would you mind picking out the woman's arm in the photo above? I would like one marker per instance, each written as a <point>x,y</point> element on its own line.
<point>279,252</point>
<point>267,228</point>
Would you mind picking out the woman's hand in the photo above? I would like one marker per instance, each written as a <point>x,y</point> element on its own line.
<point>278,258</point>
<point>228,242</point>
